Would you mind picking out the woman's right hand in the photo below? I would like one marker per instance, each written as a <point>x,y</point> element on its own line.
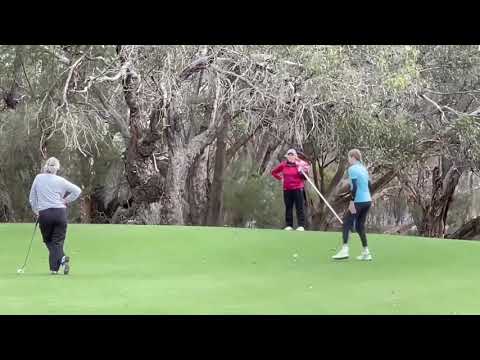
<point>351,207</point>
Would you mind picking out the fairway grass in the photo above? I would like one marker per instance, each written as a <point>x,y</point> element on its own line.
<point>120,269</point>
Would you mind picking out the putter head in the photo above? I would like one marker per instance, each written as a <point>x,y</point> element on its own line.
<point>20,271</point>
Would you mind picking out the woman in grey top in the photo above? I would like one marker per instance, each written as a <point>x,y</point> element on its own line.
<point>49,203</point>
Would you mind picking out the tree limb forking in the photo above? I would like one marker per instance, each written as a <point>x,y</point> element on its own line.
<point>119,121</point>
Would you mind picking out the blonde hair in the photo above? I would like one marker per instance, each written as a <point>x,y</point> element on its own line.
<point>51,166</point>
<point>356,154</point>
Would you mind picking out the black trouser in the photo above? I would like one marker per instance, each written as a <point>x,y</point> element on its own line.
<point>53,225</point>
<point>358,219</point>
<point>294,197</point>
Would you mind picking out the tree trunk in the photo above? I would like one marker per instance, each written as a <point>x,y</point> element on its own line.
<point>468,231</point>
<point>197,194</point>
<point>6,209</point>
<point>143,176</point>
<point>270,161</point>
<point>146,182</point>
<point>157,198</point>
<point>266,150</point>
<point>174,196</point>
<point>435,214</point>
<point>85,209</point>
<point>181,159</point>
<point>215,206</point>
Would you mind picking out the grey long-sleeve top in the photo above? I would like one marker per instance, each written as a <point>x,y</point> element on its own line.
<point>48,191</point>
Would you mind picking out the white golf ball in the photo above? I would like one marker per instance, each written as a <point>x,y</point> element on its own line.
<point>295,255</point>
<point>20,271</point>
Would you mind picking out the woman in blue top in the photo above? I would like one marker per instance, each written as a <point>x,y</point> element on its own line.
<point>360,203</point>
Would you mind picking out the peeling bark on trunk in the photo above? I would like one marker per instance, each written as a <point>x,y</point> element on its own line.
<point>468,231</point>
<point>174,202</point>
<point>6,209</point>
<point>197,193</point>
<point>89,210</point>
<point>145,181</point>
<point>181,159</point>
<point>429,203</point>
<point>86,209</point>
<point>435,214</point>
<point>215,205</point>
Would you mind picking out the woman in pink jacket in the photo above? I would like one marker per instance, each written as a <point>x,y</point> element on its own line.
<point>293,187</point>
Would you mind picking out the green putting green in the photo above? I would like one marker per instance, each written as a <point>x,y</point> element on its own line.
<point>117,269</point>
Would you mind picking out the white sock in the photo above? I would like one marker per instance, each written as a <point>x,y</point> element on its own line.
<point>345,246</point>
<point>366,251</point>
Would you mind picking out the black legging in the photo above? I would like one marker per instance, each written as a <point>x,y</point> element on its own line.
<point>291,198</point>
<point>53,225</point>
<point>359,219</point>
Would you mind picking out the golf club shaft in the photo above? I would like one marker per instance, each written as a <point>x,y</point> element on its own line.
<point>30,246</point>
<point>321,196</point>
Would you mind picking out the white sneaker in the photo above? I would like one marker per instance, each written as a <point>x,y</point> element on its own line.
<point>365,256</point>
<point>342,254</point>
<point>288,228</point>
<point>300,228</point>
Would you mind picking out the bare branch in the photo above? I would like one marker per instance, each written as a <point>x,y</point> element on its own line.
<point>241,142</point>
<point>96,80</point>
<point>119,121</point>
<point>70,73</point>
<point>197,65</point>
<point>452,92</point>
<point>436,105</point>
<point>215,103</point>
<point>248,82</point>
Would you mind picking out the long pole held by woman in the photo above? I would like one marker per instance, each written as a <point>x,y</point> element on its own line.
<point>49,203</point>
<point>360,203</point>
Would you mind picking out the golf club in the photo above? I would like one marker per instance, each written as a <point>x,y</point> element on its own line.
<point>321,196</point>
<point>21,269</point>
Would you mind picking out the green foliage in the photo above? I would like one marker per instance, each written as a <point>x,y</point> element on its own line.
<point>249,197</point>
<point>391,141</point>
<point>467,131</point>
<point>19,160</point>
<point>399,68</point>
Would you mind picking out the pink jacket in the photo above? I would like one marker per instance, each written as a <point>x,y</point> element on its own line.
<point>291,174</point>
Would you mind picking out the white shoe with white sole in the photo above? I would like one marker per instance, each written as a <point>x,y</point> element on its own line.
<point>288,228</point>
<point>342,254</point>
<point>365,257</point>
<point>300,228</point>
